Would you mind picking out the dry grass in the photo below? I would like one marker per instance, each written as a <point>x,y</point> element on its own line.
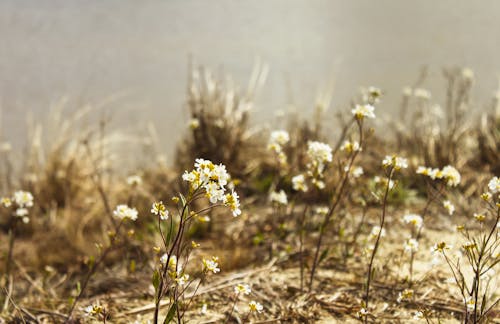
<point>72,172</point>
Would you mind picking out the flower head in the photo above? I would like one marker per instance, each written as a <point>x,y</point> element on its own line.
<point>405,295</point>
<point>254,306</point>
<point>159,209</point>
<point>440,247</point>
<point>299,183</point>
<point>449,207</point>
<point>211,265</point>
<point>451,175</point>
<point>125,212</point>
<point>279,198</point>
<point>494,185</point>
<point>411,245</point>
<point>362,111</point>
<point>6,202</point>
<point>242,289</point>
<point>395,162</point>
<point>23,198</point>
<point>320,154</point>
<point>232,200</point>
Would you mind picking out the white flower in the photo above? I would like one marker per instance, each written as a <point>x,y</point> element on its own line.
<point>470,303</point>
<point>494,185</point>
<point>125,212</point>
<point>279,197</point>
<point>194,123</point>
<point>413,219</point>
<point>411,245</point>
<point>349,146</point>
<point>449,207</point>
<point>356,171</point>
<point>375,232</point>
<point>23,198</point>
<point>21,212</point>
<point>277,139</point>
<point>232,200</point>
<point>183,279</point>
<point>321,210</point>
<point>299,183</point>
<point>211,265</point>
<point>243,289</point>
<point>159,209</point>
<point>254,306</point>
<point>320,154</point>
<point>6,202</point>
<point>405,295</point>
<point>418,315</point>
<point>134,180</point>
<point>362,111</point>
<point>451,175</point>
<point>395,161</point>
<point>203,309</point>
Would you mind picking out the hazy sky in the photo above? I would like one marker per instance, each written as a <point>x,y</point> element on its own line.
<point>92,49</point>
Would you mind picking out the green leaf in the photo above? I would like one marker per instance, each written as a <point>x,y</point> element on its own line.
<point>171,313</point>
<point>156,280</point>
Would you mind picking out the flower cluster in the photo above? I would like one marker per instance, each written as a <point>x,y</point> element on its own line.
<point>213,179</point>
<point>23,200</point>
<point>124,212</point>
<point>211,265</point>
<point>395,162</point>
<point>449,174</point>
<point>350,147</point>
<point>362,111</point>
<point>413,219</point>
<point>277,140</point>
<point>159,209</point>
<point>279,198</point>
<point>319,154</point>
<point>299,183</point>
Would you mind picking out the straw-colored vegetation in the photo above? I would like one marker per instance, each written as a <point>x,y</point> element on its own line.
<point>296,221</point>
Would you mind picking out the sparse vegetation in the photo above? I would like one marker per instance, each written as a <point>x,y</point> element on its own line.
<point>368,226</point>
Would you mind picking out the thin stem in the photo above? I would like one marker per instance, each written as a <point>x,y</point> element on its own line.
<point>377,242</point>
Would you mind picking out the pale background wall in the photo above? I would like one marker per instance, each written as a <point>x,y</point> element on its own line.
<point>92,49</point>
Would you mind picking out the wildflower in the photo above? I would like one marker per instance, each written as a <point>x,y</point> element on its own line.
<point>195,245</point>
<point>469,246</point>
<point>486,196</point>
<point>460,228</point>
<point>93,310</point>
<point>411,245</point>
<point>322,210</point>
<point>211,265</point>
<point>418,315</point>
<point>376,231</point>
<point>232,200</point>
<point>395,162</point>
<point>422,93</point>
<point>21,212</point>
<point>356,171</point>
<point>440,247</point>
<point>362,111</point>
<point>23,198</point>
<point>350,147</point>
<point>320,154</point>
<point>279,197</point>
<point>6,202</point>
<point>374,94</point>
<point>318,183</point>
<point>451,175</point>
<point>299,183</point>
<point>413,219</point>
<point>243,289</point>
<point>362,313</point>
<point>254,306</point>
<point>159,209</point>
<point>134,180</point>
<point>279,137</point>
<point>494,185</point>
<point>470,303</point>
<point>405,295</point>
<point>424,170</point>
<point>125,212</point>
<point>172,262</point>
<point>449,207</point>
<point>182,280</point>
<point>194,123</point>
<point>479,217</point>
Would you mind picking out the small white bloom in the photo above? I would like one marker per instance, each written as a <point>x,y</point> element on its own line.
<point>254,306</point>
<point>134,180</point>
<point>23,198</point>
<point>395,161</point>
<point>299,183</point>
<point>413,219</point>
<point>411,245</point>
<point>451,175</point>
<point>125,212</point>
<point>279,197</point>
<point>494,185</point>
<point>362,111</point>
<point>449,207</point>
<point>375,232</point>
<point>243,289</point>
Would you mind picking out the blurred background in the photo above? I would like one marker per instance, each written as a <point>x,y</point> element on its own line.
<point>132,58</point>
